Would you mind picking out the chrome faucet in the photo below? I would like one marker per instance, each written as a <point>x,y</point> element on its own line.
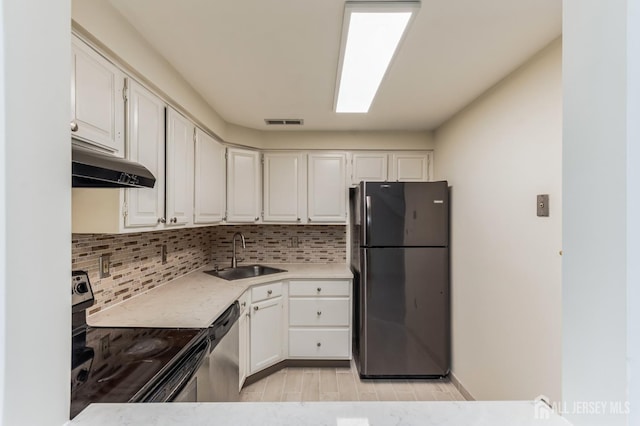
<point>234,260</point>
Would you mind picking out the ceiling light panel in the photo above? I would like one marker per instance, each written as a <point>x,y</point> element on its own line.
<point>371,35</point>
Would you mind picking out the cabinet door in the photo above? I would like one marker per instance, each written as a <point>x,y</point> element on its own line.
<point>368,166</point>
<point>266,333</point>
<point>327,190</point>
<point>97,99</point>
<point>284,193</point>
<point>209,180</point>
<point>243,185</point>
<point>180,135</point>
<point>411,167</point>
<point>145,145</point>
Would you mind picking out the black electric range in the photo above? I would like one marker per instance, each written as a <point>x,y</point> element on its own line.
<point>124,364</point>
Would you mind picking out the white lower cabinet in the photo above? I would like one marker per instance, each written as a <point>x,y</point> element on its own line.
<point>316,311</point>
<point>320,319</point>
<point>267,332</point>
<point>319,343</point>
<point>306,319</point>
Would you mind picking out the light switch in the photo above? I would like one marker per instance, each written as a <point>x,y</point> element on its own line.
<point>543,205</point>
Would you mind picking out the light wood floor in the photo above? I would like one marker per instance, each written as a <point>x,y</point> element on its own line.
<point>343,384</point>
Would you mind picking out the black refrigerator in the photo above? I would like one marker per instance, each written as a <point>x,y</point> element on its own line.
<point>400,262</point>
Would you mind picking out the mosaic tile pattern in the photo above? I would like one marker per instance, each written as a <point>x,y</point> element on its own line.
<point>273,244</point>
<point>136,264</point>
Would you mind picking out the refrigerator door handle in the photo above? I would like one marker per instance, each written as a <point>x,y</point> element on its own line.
<point>367,213</point>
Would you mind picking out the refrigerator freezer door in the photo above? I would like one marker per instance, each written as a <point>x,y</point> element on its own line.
<point>403,313</point>
<point>401,214</point>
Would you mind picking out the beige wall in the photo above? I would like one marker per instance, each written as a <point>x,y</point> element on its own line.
<point>108,28</point>
<point>348,140</point>
<point>105,24</point>
<point>497,154</point>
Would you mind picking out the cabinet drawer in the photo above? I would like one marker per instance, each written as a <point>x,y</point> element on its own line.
<point>319,311</point>
<point>320,288</point>
<point>319,343</point>
<point>266,291</point>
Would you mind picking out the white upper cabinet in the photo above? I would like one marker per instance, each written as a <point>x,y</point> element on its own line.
<point>391,166</point>
<point>369,166</point>
<point>411,167</point>
<point>209,181</point>
<point>179,192</point>
<point>145,145</point>
<point>97,99</point>
<point>243,186</point>
<point>327,188</point>
<point>285,191</point>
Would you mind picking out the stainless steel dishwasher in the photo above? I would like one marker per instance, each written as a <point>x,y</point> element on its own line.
<point>223,361</point>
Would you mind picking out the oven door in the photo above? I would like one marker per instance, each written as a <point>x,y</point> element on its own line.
<point>180,382</point>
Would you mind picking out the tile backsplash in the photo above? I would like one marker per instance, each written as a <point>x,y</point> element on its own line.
<point>136,264</point>
<point>277,244</point>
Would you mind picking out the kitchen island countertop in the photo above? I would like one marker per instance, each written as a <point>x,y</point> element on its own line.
<point>485,413</point>
<point>197,299</point>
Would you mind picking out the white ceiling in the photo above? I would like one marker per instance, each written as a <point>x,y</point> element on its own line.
<point>257,59</point>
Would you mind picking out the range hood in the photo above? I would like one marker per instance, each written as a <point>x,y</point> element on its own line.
<point>92,169</point>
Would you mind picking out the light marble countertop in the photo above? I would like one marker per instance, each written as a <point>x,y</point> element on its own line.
<point>197,299</point>
<point>481,413</point>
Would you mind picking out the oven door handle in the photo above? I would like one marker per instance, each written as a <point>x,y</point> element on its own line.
<point>180,375</point>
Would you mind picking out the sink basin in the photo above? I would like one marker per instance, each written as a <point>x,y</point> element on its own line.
<point>244,271</point>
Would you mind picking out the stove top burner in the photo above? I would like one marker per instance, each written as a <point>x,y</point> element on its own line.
<point>116,364</point>
<point>148,347</point>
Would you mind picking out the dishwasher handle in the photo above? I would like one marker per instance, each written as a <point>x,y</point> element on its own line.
<point>223,324</point>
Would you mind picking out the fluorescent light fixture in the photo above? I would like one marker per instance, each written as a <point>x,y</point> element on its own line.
<point>371,34</point>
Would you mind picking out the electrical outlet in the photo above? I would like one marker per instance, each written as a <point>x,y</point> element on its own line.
<point>104,266</point>
<point>163,253</point>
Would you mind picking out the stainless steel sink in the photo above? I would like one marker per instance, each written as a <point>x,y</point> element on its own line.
<point>244,271</point>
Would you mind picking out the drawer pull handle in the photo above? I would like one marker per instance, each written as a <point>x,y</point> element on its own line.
<point>318,344</point>
<point>319,289</point>
<point>269,292</point>
<point>255,308</point>
<point>319,313</point>
<point>243,304</point>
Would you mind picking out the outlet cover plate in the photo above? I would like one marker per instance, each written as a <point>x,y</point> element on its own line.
<point>104,266</point>
<point>543,205</point>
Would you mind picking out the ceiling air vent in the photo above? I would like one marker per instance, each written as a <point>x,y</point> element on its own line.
<point>284,121</point>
